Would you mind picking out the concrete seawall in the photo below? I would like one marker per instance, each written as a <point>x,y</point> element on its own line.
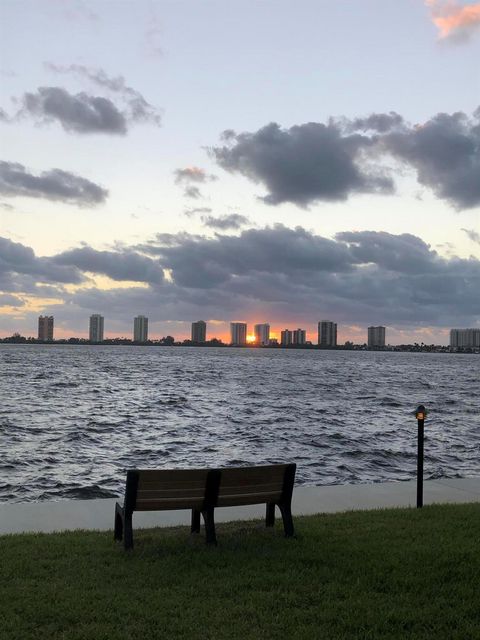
<point>66,515</point>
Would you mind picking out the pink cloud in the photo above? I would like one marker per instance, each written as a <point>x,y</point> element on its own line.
<point>453,19</point>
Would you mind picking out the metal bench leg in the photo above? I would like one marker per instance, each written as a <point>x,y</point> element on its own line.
<point>287,519</point>
<point>270,514</point>
<point>210,537</point>
<point>195,528</point>
<point>128,531</point>
<point>118,527</point>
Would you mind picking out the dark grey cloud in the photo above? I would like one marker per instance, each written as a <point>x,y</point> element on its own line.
<point>473,235</point>
<point>80,113</point>
<point>294,274</point>
<point>223,223</point>
<point>17,259</point>
<point>56,185</point>
<point>379,122</point>
<point>404,253</point>
<point>204,262</point>
<point>137,109</point>
<point>445,153</point>
<point>304,164</point>
<point>118,265</point>
<point>282,274</point>
<point>317,162</point>
<point>84,113</point>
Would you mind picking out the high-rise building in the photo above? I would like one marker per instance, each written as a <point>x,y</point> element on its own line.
<point>95,333</point>
<point>199,332</point>
<point>140,329</point>
<point>465,338</point>
<point>327,333</point>
<point>262,334</point>
<point>286,337</point>
<point>376,336</point>
<point>299,336</point>
<point>238,334</point>
<point>45,328</point>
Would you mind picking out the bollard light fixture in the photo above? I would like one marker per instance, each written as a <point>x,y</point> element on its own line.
<point>421,412</point>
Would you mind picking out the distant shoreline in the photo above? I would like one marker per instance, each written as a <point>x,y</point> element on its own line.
<point>125,342</point>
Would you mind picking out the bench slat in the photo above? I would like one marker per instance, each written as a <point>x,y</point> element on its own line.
<point>249,475</point>
<point>173,476</point>
<point>249,488</point>
<point>247,498</point>
<point>168,503</point>
<point>164,486</point>
<point>152,494</point>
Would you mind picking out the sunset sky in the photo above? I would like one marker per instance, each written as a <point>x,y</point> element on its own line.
<point>267,161</point>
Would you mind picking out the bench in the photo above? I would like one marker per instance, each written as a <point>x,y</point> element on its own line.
<point>202,491</point>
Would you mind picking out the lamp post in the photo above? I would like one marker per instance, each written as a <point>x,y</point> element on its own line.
<point>420,414</point>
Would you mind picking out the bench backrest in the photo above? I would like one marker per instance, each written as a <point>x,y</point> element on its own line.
<point>156,490</point>
<point>152,490</point>
<point>254,485</point>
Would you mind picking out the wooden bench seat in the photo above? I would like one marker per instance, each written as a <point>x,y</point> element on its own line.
<point>203,490</point>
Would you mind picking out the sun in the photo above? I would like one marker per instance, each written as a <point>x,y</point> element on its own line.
<point>250,339</point>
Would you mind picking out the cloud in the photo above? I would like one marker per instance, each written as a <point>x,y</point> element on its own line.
<point>379,122</point>
<point>192,192</point>
<point>293,274</point>
<point>7,300</point>
<point>118,265</point>
<point>404,253</point>
<point>192,174</point>
<point>77,10</point>
<point>473,235</point>
<point>230,221</point>
<point>137,108</point>
<point>281,274</point>
<point>153,34</point>
<point>314,162</point>
<point>445,153</point>
<point>453,19</point>
<point>56,185</point>
<point>190,177</point>
<point>17,259</point>
<point>304,164</point>
<point>80,113</point>
<point>83,113</point>
<point>191,212</point>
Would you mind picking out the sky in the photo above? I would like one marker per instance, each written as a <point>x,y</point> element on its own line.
<point>257,161</point>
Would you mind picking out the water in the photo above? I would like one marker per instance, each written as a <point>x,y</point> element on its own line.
<point>74,418</point>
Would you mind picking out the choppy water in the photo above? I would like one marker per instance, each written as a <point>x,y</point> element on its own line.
<point>73,418</point>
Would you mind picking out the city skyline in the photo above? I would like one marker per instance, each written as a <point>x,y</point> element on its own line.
<point>327,334</point>
<point>346,186</point>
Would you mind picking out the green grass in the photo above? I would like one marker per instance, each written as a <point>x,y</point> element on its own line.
<point>397,573</point>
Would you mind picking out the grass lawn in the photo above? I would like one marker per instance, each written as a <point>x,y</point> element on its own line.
<point>397,573</point>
